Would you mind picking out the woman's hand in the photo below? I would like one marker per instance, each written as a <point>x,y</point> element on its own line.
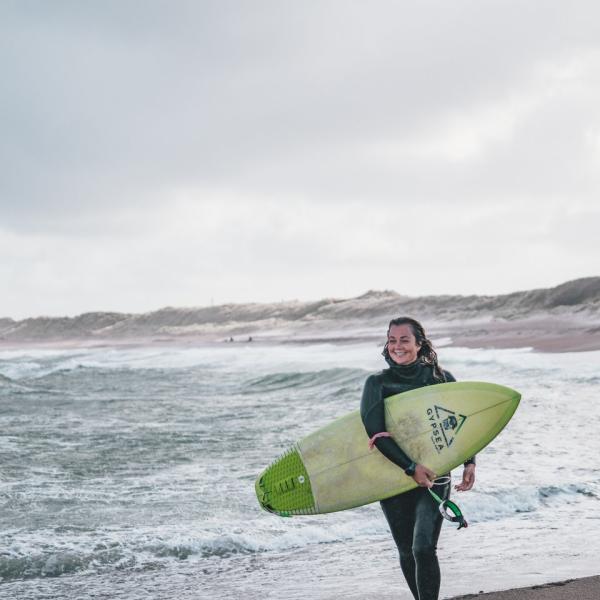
<point>468,479</point>
<point>424,476</point>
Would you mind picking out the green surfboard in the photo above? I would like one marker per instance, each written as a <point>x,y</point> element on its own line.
<point>333,468</point>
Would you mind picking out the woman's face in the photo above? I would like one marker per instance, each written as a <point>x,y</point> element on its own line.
<point>402,345</point>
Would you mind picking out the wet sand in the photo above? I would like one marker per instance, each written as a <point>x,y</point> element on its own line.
<point>573,344</point>
<point>543,334</point>
<point>587,588</point>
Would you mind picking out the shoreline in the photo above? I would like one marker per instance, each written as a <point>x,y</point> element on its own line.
<point>584,588</point>
<point>544,340</point>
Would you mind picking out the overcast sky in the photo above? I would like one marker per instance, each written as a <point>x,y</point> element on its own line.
<point>187,153</point>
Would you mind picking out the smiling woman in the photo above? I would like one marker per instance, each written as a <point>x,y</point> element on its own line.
<point>414,520</point>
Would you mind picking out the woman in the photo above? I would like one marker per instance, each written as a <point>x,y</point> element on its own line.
<point>413,517</point>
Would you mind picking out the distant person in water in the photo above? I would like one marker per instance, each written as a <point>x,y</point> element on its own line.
<point>413,517</point>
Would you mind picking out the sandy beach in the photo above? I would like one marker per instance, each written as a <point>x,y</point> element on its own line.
<point>564,333</point>
<point>541,333</point>
<point>586,588</point>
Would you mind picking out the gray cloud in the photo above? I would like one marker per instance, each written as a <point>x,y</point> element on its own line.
<point>111,111</point>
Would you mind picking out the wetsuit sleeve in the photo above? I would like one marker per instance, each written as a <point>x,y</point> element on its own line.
<point>372,412</point>
<point>450,378</point>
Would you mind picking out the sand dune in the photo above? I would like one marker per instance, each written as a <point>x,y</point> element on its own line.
<point>563,317</point>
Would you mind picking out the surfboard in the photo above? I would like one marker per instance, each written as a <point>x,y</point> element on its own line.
<point>333,469</point>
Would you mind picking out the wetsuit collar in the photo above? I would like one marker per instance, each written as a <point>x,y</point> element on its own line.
<point>410,370</point>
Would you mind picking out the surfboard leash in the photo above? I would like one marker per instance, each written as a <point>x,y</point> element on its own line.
<point>455,515</point>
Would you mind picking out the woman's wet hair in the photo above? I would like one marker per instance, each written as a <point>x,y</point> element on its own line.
<point>426,352</point>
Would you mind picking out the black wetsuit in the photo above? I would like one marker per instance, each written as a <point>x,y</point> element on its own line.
<point>413,517</point>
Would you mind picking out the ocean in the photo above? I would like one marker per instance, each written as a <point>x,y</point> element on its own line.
<point>128,472</point>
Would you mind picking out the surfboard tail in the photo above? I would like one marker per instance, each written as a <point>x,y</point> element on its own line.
<point>284,486</point>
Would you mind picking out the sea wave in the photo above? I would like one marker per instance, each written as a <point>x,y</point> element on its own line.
<point>503,503</point>
<point>67,552</point>
<point>8,385</point>
<point>61,561</point>
<point>4,380</point>
<point>305,379</point>
<point>572,489</point>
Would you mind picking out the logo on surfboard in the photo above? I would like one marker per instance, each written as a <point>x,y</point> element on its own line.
<point>445,424</point>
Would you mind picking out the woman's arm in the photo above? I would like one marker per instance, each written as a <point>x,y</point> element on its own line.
<point>372,412</point>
